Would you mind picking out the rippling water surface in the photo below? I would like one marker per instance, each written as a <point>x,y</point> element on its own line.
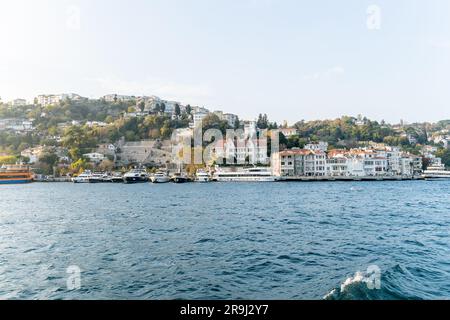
<point>225,241</point>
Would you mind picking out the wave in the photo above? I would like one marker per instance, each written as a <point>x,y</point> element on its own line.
<point>397,283</point>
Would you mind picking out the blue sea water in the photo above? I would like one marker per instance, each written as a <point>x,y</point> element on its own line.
<point>225,241</point>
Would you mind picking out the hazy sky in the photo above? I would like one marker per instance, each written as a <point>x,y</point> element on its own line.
<point>291,59</point>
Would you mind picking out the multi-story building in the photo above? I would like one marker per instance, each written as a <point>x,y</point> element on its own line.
<point>242,151</point>
<point>118,98</point>
<point>52,99</point>
<point>289,163</point>
<point>198,115</point>
<point>94,157</point>
<point>18,103</point>
<point>320,146</point>
<point>230,118</point>
<point>33,154</point>
<point>352,163</point>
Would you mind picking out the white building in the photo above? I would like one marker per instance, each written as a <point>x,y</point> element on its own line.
<point>198,117</point>
<point>289,132</point>
<point>18,103</point>
<point>52,99</point>
<point>91,124</point>
<point>16,125</point>
<point>119,98</point>
<point>94,157</point>
<point>320,146</point>
<point>350,163</point>
<point>33,154</point>
<point>242,151</point>
<point>232,119</point>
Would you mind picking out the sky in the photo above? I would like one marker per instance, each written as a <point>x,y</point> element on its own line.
<point>291,59</point>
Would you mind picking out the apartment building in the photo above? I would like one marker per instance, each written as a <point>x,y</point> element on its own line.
<point>353,163</point>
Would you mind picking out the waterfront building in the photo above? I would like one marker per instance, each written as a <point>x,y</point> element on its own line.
<point>252,151</point>
<point>389,161</point>
<point>315,163</point>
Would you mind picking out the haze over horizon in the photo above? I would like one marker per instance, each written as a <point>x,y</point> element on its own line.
<point>289,59</point>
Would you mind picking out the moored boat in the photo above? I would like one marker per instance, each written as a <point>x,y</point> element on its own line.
<point>202,176</point>
<point>137,175</point>
<point>15,174</point>
<point>99,177</point>
<point>160,177</point>
<point>116,178</point>
<point>436,171</point>
<point>83,177</point>
<point>246,175</point>
<point>179,178</point>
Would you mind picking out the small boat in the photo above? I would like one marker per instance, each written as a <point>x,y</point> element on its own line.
<point>202,176</point>
<point>179,178</point>
<point>15,174</point>
<point>160,177</point>
<point>138,175</point>
<point>83,178</point>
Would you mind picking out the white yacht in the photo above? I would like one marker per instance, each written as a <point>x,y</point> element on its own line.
<point>98,177</point>
<point>202,176</point>
<point>160,177</point>
<point>137,175</point>
<point>83,178</point>
<point>436,171</point>
<point>246,175</point>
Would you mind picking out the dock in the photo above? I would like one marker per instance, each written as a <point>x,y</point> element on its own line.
<point>366,178</point>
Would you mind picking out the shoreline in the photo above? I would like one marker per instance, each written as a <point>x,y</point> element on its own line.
<point>287,179</point>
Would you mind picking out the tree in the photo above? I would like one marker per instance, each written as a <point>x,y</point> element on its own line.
<point>162,108</point>
<point>49,159</point>
<point>188,109</point>
<point>141,106</point>
<point>7,160</point>
<point>47,162</point>
<point>106,165</point>
<point>444,154</point>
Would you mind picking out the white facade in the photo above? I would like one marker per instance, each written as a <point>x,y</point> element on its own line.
<point>351,163</point>
<point>198,117</point>
<point>320,146</point>
<point>33,154</point>
<point>118,97</point>
<point>289,132</point>
<point>94,157</point>
<point>52,99</point>
<point>18,102</point>
<point>252,151</point>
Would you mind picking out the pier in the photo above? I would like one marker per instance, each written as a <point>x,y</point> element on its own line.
<point>367,178</point>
